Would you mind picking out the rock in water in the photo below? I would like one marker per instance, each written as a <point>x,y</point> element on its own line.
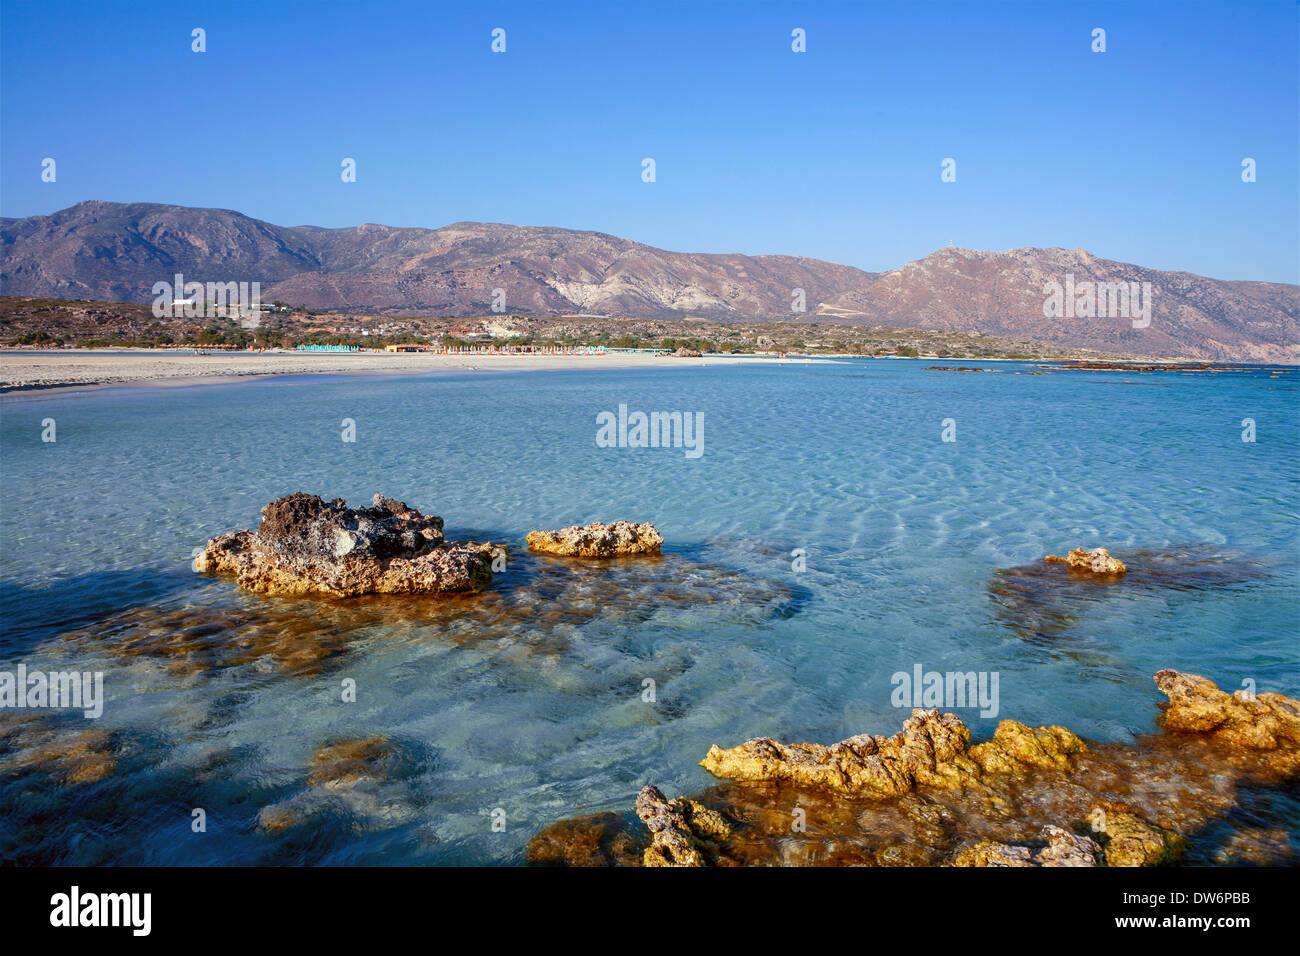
<point>930,750</point>
<point>598,540</point>
<point>305,545</point>
<point>1260,722</point>
<point>1063,849</point>
<point>1097,561</point>
<point>682,831</point>
<point>925,797</point>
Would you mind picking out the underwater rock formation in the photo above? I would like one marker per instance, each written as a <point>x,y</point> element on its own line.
<point>1130,840</point>
<point>1027,797</point>
<point>598,839</point>
<point>1044,601</point>
<point>1096,561</point>
<point>598,540</point>
<point>1063,849</point>
<point>540,606</point>
<point>69,756</point>
<point>362,776</point>
<point>305,545</point>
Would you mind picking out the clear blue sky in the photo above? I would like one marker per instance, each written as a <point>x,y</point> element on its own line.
<point>1134,154</point>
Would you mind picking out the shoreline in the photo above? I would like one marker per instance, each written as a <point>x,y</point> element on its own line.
<point>27,373</point>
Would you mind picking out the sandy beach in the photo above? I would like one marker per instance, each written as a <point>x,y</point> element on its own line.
<point>23,371</point>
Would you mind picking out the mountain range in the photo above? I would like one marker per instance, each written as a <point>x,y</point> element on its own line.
<point>117,251</point>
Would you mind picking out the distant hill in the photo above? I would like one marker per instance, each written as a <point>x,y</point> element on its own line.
<point>117,251</point>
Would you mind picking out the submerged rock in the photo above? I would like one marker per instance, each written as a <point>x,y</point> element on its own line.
<point>1131,840</point>
<point>67,756</point>
<point>1044,601</point>
<point>305,545</point>
<point>545,604</point>
<point>1096,561</point>
<point>599,839</point>
<point>598,540</point>
<point>923,797</point>
<point>1063,849</point>
<point>361,778</point>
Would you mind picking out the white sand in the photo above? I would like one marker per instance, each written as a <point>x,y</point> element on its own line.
<point>22,371</point>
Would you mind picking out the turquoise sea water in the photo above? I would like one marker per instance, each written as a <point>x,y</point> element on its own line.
<point>530,698</point>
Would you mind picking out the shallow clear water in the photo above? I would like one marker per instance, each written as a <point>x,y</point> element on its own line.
<point>529,698</point>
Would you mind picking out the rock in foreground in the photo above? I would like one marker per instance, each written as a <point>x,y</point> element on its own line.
<point>1097,561</point>
<point>925,797</point>
<point>598,540</point>
<point>305,545</point>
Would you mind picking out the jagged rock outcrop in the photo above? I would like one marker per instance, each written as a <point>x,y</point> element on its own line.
<point>1015,746</point>
<point>1097,561</point>
<point>682,832</point>
<point>305,545</point>
<point>1026,797</point>
<point>1266,722</point>
<point>930,750</point>
<point>598,540</point>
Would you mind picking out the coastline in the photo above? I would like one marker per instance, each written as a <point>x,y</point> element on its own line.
<point>24,373</point>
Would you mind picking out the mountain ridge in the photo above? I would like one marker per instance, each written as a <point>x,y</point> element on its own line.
<point>104,250</point>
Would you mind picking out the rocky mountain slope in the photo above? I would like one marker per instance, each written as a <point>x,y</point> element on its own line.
<point>117,251</point>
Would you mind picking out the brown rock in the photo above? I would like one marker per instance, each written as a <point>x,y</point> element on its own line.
<point>1196,706</point>
<point>1131,840</point>
<point>923,796</point>
<point>1097,561</point>
<point>930,749</point>
<point>367,778</point>
<point>682,832</point>
<point>601,839</point>
<point>598,540</point>
<point>1015,746</point>
<point>1063,849</point>
<point>306,546</point>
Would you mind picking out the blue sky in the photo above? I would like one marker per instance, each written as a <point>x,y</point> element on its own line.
<point>1134,154</point>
